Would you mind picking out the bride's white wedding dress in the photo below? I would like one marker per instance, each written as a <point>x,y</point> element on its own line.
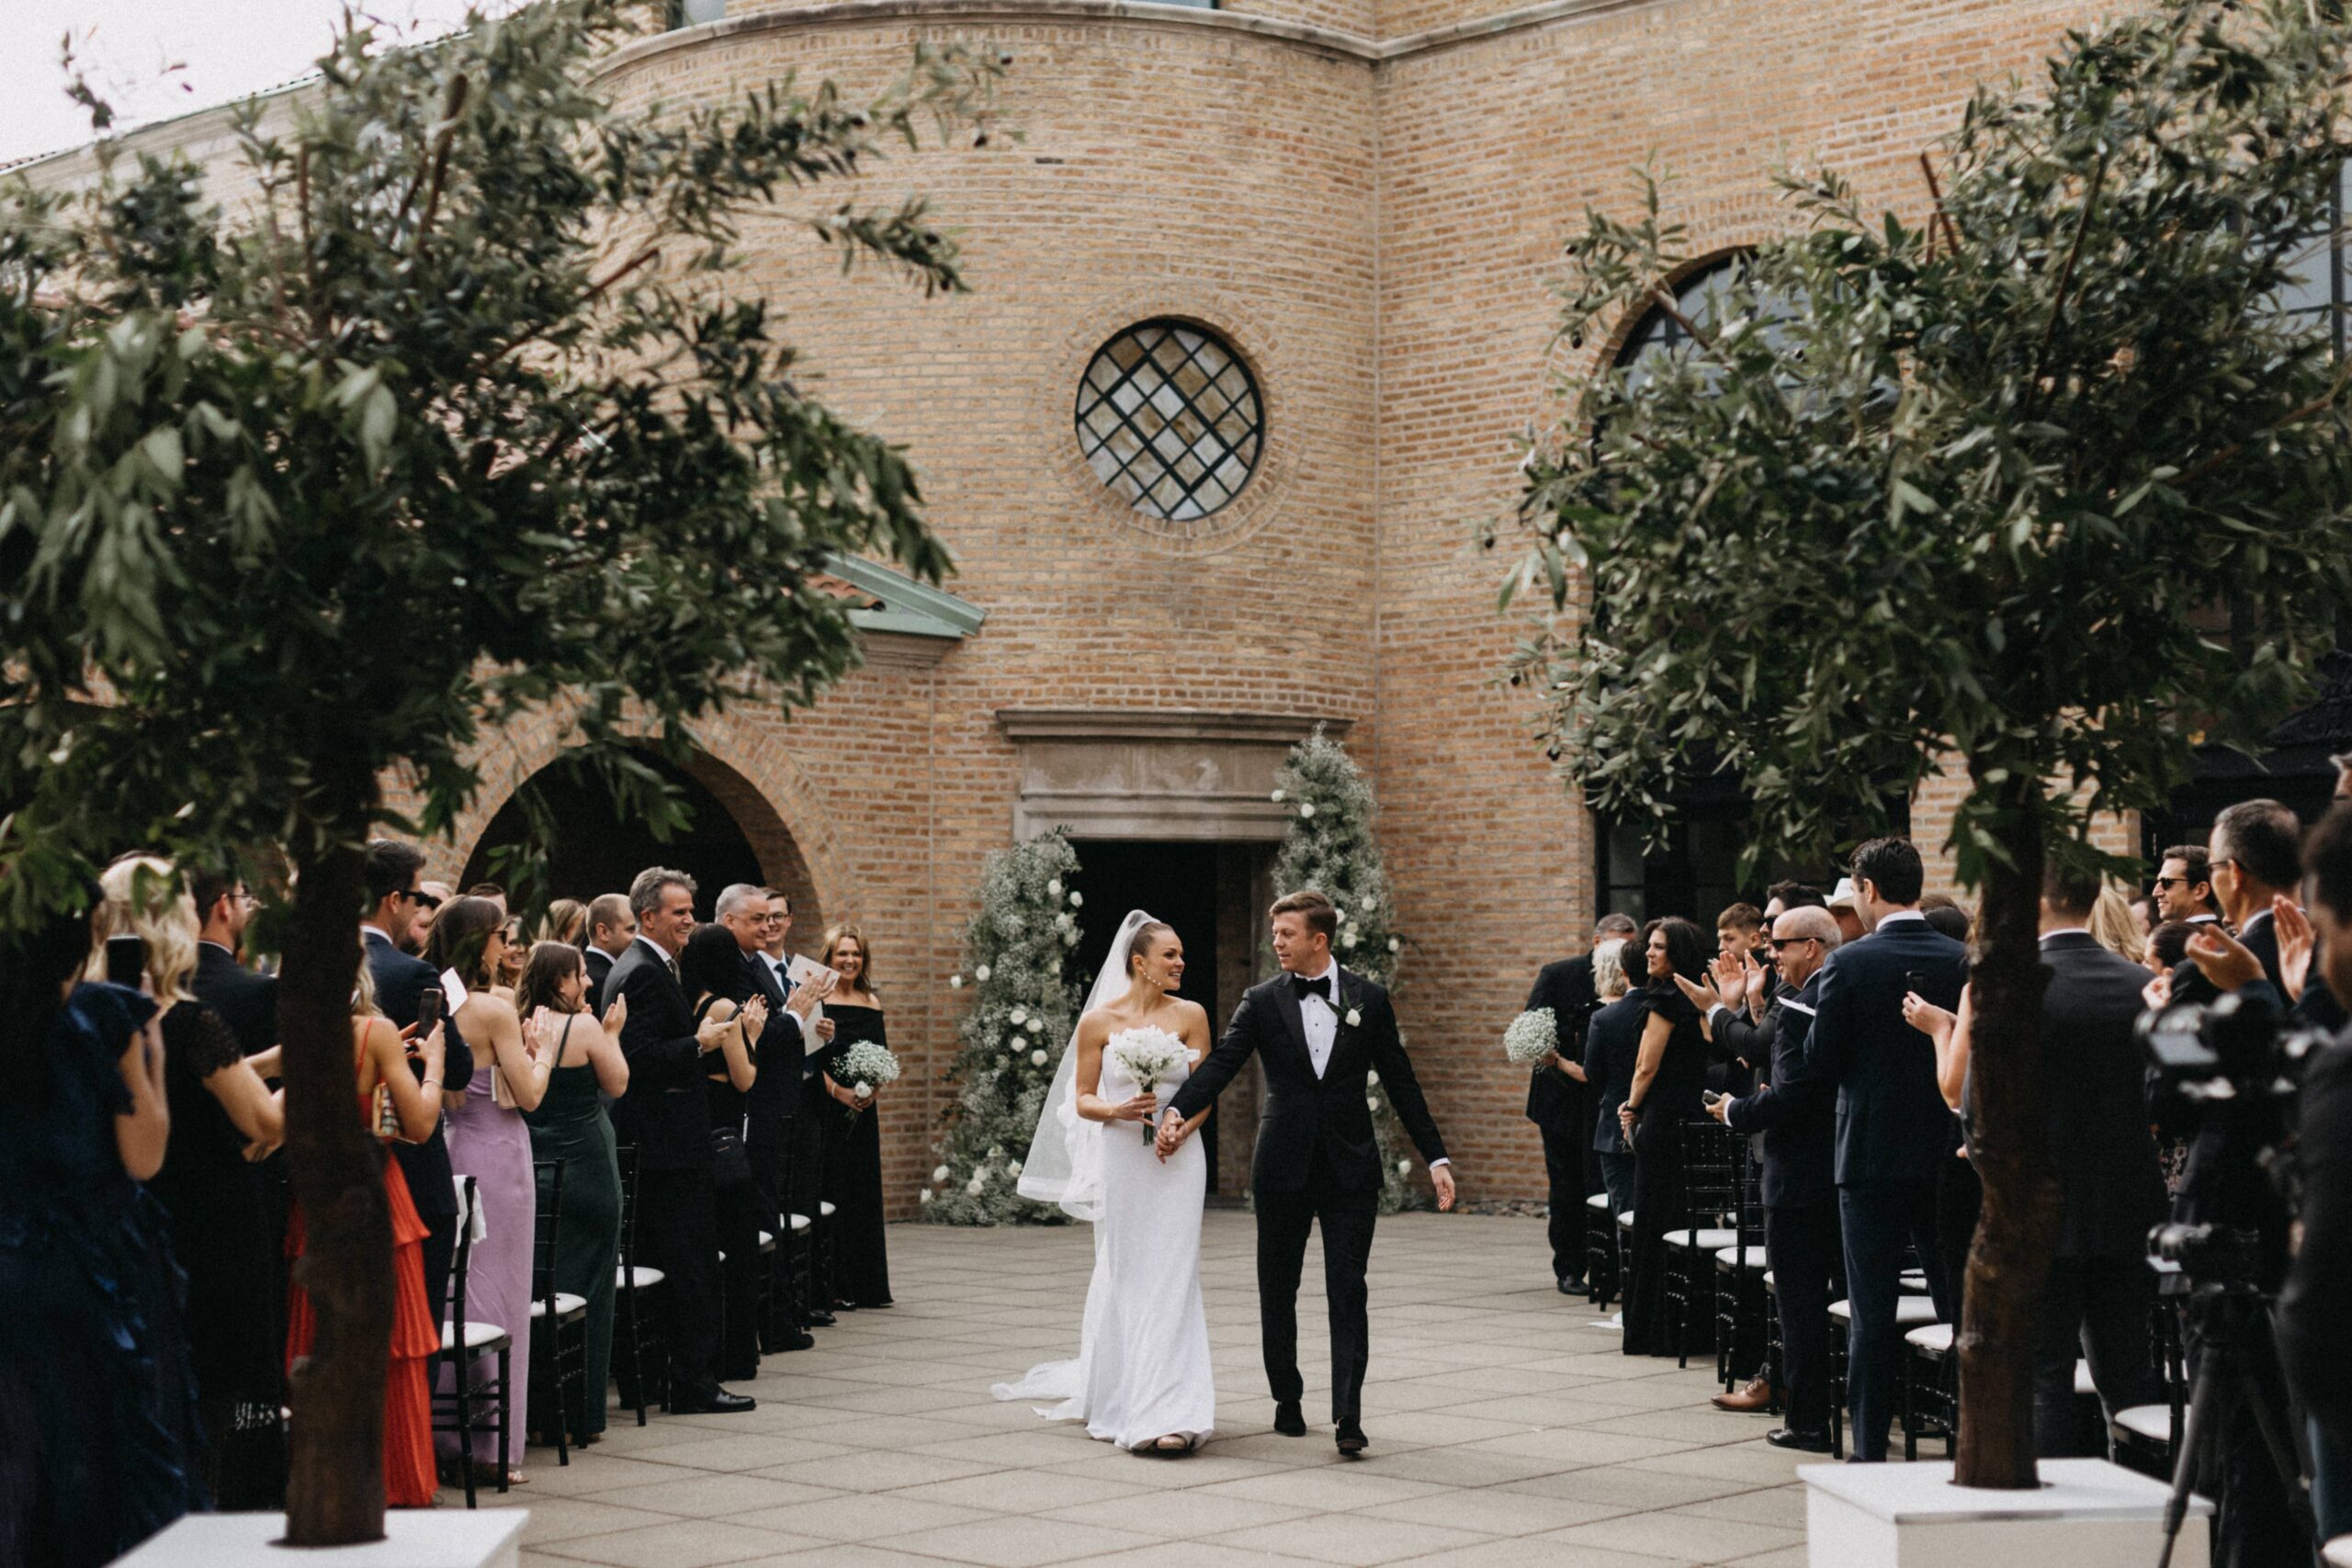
<point>1142,1370</point>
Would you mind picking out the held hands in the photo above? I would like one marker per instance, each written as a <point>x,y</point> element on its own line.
<point>1626,1116</point>
<point>2223,960</point>
<point>1172,1132</point>
<point>1720,1108</point>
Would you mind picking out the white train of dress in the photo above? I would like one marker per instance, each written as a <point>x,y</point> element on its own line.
<point>1142,1370</point>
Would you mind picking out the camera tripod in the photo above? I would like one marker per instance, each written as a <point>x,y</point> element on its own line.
<point>2234,1333</point>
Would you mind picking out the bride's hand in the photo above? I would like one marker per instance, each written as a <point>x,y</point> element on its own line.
<point>1142,1108</point>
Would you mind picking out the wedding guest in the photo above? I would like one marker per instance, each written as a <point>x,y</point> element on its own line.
<point>666,1114</point>
<point>1797,1122</point>
<point>1669,1075</point>
<point>1895,1132</point>
<point>611,928</point>
<point>2167,947</point>
<point>2113,926</point>
<point>567,922</point>
<point>853,1137</point>
<point>509,971</point>
<point>246,1001</point>
<point>709,966</point>
<point>1739,948</point>
<point>1613,1045</point>
<point>2184,886</point>
<point>804,1157</point>
<point>568,1126</point>
<point>224,1117</point>
<point>1845,909</point>
<point>1945,916</point>
<point>771,1111</point>
<point>2143,911</point>
<point>412,937</point>
<point>386,1084</point>
<point>489,1141</point>
<point>1559,1105</point>
<point>388,872</point>
<point>491,891</point>
<point>2255,858</point>
<point>98,1414</point>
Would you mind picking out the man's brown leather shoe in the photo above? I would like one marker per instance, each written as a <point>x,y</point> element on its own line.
<point>1756,1396</point>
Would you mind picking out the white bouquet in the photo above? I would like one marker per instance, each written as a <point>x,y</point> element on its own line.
<point>1150,1057</point>
<point>864,1068</point>
<point>1532,1037</point>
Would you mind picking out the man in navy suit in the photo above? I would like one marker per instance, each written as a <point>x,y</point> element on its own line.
<point>611,928</point>
<point>1892,1129</point>
<point>1559,1104</point>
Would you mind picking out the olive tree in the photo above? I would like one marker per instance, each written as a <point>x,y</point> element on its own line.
<point>466,415</point>
<point>2042,479</point>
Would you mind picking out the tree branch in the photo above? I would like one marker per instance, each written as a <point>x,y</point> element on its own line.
<point>2065,281</point>
<point>1942,218</point>
<point>441,141</point>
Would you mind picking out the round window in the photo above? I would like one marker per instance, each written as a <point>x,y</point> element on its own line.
<point>1170,418</point>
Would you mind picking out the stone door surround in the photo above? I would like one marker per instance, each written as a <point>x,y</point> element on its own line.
<point>1144,773</point>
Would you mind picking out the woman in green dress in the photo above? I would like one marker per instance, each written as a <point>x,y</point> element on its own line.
<point>570,1125</point>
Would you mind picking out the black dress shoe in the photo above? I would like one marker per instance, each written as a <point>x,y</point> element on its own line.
<point>822,1319</point>
<point>718,1401</point>
<point>1288,1419</point>
<point>1801,1442</point>
<point>1571,1285</point>
<point>790,1339</point>
<point>1351,1439</point>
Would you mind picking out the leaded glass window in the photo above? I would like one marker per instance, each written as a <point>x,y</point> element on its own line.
<point>2322,287</point>
<point>1169,417</point>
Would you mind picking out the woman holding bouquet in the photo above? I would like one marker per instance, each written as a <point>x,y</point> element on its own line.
<point>852,1183</point>
<point>1142,1379</point>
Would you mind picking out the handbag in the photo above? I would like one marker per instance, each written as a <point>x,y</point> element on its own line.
<point>731,1163</point>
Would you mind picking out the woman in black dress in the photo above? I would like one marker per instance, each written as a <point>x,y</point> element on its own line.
<point>852,1137</point>
<point>223,1119</point>
<point>707,968</point>
<point>1669,1079</point>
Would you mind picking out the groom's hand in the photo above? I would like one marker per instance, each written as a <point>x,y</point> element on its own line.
<point>1172,1134</point>
<point>1442,1179</point>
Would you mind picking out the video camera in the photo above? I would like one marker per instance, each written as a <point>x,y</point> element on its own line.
<point>2231,1050</point>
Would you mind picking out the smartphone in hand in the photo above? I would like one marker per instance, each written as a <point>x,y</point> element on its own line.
<point>127,960</point>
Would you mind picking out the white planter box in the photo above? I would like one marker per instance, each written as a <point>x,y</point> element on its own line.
<point>414,1537</point>
<point>2087,1514</point>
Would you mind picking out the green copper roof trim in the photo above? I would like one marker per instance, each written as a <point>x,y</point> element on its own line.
<point>907,607</point>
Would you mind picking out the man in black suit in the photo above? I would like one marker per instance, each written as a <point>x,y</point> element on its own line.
<point>667,1116</point>
<point>391,872</point>
<point>804,1163</point>
<point>2255,855</point>
<point>246,1002</point>
<point>1559,1106</point>
<point>773,1107</point>
<point>2184,889</point>
<point>1317,1031</point>
<point>611,928</point>
<point>2100,1287</point>
<point>1798,1123</point>
<point>1894,1130</point>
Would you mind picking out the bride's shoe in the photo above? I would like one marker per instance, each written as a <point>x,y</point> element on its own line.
<point>1171,1446</point>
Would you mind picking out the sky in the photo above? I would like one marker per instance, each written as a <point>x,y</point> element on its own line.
<point>156,59</point>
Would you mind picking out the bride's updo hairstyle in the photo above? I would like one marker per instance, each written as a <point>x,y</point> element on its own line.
<point>1146,938</point>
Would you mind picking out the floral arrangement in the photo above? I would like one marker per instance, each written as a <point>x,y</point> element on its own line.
<point>864,1068</point>
<point>1150,1057</point>
<point>1532,1036</point>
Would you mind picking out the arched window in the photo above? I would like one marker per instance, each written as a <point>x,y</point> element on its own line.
<point>1698,299</point>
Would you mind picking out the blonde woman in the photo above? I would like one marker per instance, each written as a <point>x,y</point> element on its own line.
<point>853,1142</point>
<point>2113,925</point>
<point>223,1119</point>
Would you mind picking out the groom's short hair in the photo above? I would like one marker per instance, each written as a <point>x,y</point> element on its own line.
<point>1321,915</point>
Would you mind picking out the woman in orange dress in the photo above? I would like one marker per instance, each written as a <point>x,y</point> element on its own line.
<point>415,1106</point>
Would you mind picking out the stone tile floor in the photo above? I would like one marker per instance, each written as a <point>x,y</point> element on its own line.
<point>1505,1430</point>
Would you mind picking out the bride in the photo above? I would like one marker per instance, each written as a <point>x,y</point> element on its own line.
<point>1142,1378</point>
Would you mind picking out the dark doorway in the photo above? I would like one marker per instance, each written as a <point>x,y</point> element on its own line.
<point>599,850</point>
<point>1176,883</point>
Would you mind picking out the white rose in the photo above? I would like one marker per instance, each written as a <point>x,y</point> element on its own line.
<point>1076,897</point>
<point>1062,920</point>
<point>981,974</point>
<point>995,1151</point>
<point>861,1090</point>
<point>1021,1042</point>
<point>1370,1104</point>
<point>1404,1167</point>
<point>1370,1077</point>
<point>973,1187</point>
<point>1003,1063</point>
<point>923,1196</point>
<point>939,1173</point>
<point>1370,903</point>
<point>955,982</point>
<point>1013,1169</point>
<point>1395,945</point>
<point>1306,810</point>
<point>1069,937</point>
<point>1038,1057</point>
<point>1019,1016</point>
<point>1054,889</point>
<point>1354,1016</point>
<point>1348,938</point>
<point>1280,795</point>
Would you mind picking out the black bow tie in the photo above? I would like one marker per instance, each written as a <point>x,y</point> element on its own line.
<point>1306,988</point>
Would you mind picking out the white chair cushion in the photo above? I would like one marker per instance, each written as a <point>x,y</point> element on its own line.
<point>2337,1553</point>
<point>1729,1257</point>
<point>1935,1337</point>
<point>1625,1220</point>
<point>824,1210</point>
<point>1910,1312</point>
<point>799,1223</point>
<point>645,1280</point>
<point>1705,1240</point>
<point>767,1241</point>
<point>480,1336</point>
<point>2084,1387</point>
<point>566,1304</point>
<point>2152,1422</point>
<point>1597,1200</point>
<point>1771,1282</point>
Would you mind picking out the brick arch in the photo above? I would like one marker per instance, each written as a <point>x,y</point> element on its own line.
<point>741,762</point>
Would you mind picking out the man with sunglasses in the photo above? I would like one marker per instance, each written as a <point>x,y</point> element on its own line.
<point>2184,889</point>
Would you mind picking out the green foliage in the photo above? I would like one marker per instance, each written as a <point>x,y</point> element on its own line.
<point>1022,1014</point>
<point>1329,849</point>
<point>463,419</point>
<point>1990,484</point>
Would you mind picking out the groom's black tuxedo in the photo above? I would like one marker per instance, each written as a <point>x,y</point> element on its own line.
<point>1317,1159</point>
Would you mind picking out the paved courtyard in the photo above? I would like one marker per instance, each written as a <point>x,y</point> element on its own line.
<point>1505,1430</point>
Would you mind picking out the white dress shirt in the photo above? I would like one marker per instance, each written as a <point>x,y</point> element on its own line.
<point>1320,1015</point>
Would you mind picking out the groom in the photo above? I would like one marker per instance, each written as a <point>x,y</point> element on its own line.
<point>1318,1029</point>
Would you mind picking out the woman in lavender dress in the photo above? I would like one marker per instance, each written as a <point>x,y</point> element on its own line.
<point>490,1141</point>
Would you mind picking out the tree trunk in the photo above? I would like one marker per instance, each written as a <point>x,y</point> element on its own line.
<point>2008,1263</point>
<point>334,1492</point>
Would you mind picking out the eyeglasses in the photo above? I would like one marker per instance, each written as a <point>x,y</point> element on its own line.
<point>774,919</point>
<point>1780,943</point>
<point>423,900</point>
<point>2171,882</point>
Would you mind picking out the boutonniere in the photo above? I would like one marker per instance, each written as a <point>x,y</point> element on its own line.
<point>1353,1017</point>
